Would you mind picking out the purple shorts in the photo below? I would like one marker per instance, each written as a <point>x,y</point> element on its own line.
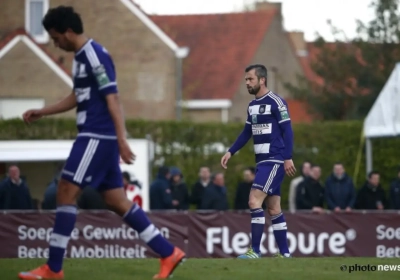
<point>93,162</point>
<point>269,177</point>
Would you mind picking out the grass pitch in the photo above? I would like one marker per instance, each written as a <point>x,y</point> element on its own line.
<point>214,269</point>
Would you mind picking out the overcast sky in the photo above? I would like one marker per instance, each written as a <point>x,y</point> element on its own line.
<point>309,16</point>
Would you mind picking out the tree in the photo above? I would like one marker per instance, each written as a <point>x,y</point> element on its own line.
<point>352,72</point>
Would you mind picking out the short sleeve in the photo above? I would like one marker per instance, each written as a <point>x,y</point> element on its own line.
<point>281,112</point>
<point>103,70</point>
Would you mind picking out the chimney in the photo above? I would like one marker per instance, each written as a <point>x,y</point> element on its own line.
<point>299,43</point>
<point>265,6</point>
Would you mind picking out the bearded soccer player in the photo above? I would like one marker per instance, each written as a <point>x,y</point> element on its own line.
<point>101,141</point>
<point>269,123</point>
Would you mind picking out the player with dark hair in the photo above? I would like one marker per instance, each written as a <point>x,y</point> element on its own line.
<point>101,141</point>
<point>269,123</point>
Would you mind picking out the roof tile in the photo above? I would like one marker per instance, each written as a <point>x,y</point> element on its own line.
<point>221,46</point>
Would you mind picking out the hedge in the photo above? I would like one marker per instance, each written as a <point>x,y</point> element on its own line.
<point>321,143</point>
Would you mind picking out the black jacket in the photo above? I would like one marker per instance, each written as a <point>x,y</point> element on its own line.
<point>91,199</point>
<point>196,197</point>
<point>309,194</point>
<point>215,198</point>
<point>395,194</point>
<point>368,197</point>
<point>160,194</point>
<point>242,196</point>
<point>180,193</point>
<point>15,197</point>
<point>340,192</point>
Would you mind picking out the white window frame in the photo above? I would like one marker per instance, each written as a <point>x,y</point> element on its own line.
<point>43,38</point>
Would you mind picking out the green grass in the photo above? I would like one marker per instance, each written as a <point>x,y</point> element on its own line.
<point>211,269</point>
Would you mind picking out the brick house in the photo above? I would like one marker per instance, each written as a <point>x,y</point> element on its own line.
<point>221,46</point>
<point>165,70</point>
<point>144,55</point>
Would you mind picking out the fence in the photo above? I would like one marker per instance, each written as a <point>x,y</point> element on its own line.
<point>101,234</point>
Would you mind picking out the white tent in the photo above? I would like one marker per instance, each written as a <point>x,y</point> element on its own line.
<point>383,119</point>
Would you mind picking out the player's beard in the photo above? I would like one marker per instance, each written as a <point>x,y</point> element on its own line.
<point>253,90</point>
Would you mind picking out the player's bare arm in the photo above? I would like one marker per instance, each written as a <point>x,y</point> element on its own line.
<point>114,107</point>
<point>66,104</point>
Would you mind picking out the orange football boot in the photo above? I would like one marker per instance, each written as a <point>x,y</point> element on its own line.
<point>42,272</point>
<point>168,264</point>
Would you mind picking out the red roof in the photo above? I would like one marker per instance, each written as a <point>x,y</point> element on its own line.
<point>298,111</point>
<point>234,37</point>
<point>22,31</point>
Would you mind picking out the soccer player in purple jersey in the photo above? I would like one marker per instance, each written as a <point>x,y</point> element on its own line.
<point>268,121</point>
<point>101,141</point>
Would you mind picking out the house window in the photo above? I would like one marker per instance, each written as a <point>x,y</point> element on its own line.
<point>34,13</point>
<point>11,108</point>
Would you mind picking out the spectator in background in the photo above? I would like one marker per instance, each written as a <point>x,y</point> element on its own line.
<point>14,193</point>
<point>160,193</point>
<point>179,190</point>
<point>305,172</point>
<point>199,187</point>
<point>215,197</point>
<point>371,196</point>
<point>91,199</point>
<point>50,195</point>
<point>243,190</point>
<point>310,193</point>
<point>395,192</point>
<point>340,193</point>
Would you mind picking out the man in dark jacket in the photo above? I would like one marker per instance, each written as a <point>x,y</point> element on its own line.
<point>371,196</point>
<point>340,193</point>
<point>395,192</point>
<point>91,199</point>
<point>243,189</point>
<point>50,195</point>
<point>160,193</point>
<point>199,187</point>
<point>14,193</point>
<point>179,190</point>
<point>310,193</point>
<point>215,197</point>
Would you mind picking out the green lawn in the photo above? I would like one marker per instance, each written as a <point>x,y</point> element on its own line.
<point>212,269</point>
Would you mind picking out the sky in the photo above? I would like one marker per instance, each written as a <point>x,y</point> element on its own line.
<point>308,16</point>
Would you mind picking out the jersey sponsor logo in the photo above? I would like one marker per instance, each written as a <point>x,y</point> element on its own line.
<point>254,118</point>
<point>101,75</point>
<point>284,115</point>
<point>265,128</point>
<point>284,112</point>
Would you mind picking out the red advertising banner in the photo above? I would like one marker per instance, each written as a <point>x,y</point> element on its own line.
<point>205,235</point>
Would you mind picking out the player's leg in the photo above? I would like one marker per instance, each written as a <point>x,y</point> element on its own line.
<point>64,224</point>
<point>256,199</point>
<point>69,187</point>
<point>135,217</point>
<point>275,212</point>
